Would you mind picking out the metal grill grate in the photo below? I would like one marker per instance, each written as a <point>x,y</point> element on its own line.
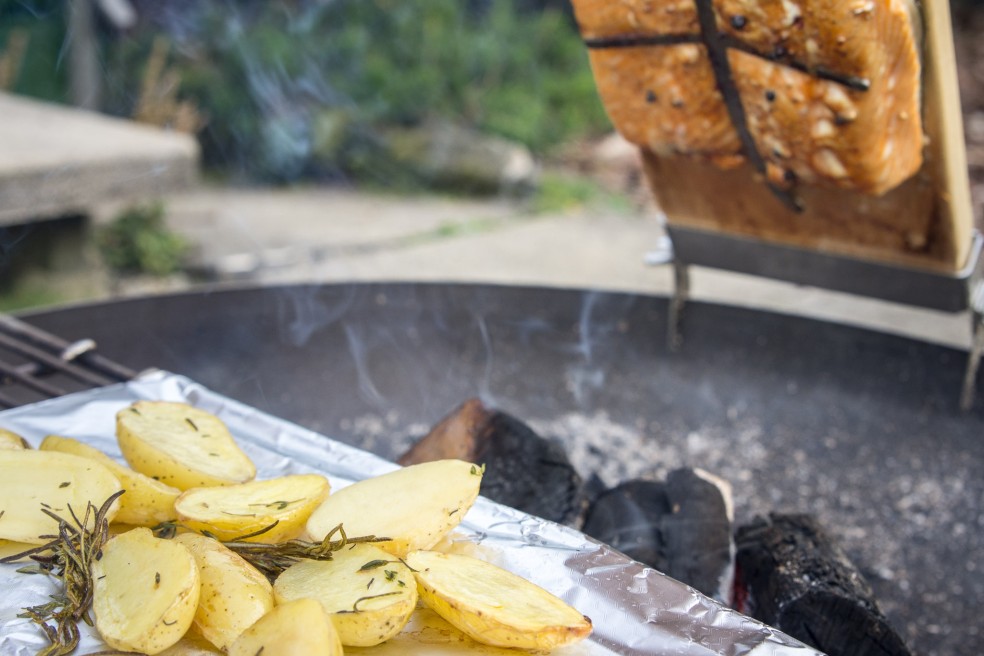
<point>36,365</point>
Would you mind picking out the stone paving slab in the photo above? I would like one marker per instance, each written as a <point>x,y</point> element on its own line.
<point>56,160</point>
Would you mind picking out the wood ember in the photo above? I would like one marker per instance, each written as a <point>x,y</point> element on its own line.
<point>522,469</point>
<point>791,575</point>
<point>681,527</point>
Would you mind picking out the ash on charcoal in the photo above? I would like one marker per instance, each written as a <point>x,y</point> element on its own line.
<point>384,434</point>
<point>615,452</point>
<point>883,504</point>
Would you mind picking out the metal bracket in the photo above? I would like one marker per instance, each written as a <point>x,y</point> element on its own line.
<point>681,294</point>
<point>968,393</point>
<point>75,349</point>
<point>924,288</point>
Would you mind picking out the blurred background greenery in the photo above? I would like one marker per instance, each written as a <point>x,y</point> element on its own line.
<point>305,90</point>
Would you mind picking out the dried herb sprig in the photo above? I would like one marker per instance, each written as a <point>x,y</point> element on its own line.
<point>272,559</point>
<point>68,556</point>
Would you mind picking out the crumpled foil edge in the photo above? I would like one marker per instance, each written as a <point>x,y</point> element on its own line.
<point>636,611</point>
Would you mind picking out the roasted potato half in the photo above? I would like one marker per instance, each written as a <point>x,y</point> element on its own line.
<point>368,593</point>
<point>233,593</point>
<point>11,440</point>
<point>295,628</point>
<point>31,481</point>
<point>494,606</point>
<point>429,633</point>
<point>180,445</point>
<point>236,510</point>
<point>415,506</point>
<point>146,503</point>
<point>145,592</point>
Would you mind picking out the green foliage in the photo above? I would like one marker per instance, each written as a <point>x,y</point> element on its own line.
<point>264,72</point>
<point>137,241</point>
<point>28,296</point>
<point>562,193</point>
<point>41,75</point>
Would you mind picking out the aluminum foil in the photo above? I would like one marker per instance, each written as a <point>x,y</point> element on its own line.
<point>635,610</point>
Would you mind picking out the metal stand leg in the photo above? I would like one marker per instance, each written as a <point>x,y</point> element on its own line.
<point>681,294</point>
<point>976,348</point>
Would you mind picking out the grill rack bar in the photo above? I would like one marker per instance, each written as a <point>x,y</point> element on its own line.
<point>37,365</point>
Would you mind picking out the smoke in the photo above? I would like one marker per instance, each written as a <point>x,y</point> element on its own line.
<point>485,385</point>
<point>260,67</point>
<point>597,331</point>
<point>367,389</point>
<point>302,311</point>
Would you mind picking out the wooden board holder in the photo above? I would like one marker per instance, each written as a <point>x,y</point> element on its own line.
<point>925,223</point>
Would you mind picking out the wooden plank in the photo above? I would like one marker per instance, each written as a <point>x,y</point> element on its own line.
<point>944,121</point>
<point>926,222</point>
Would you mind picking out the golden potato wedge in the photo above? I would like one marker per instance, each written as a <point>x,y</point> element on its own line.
<point>147,502</point>
<point>494,606</point>
<point>368,593</point>
<point>145,592</point>
<point>32,480</point>
<point>235,510</point>
<point>233,593</point>
<point>429,633</point>
<point>11,440</point>
<point>415,506</point>
<point>180,445</point>
<point>295,628</point>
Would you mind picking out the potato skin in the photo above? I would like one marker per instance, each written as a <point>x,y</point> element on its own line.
<point>494,606</point>
<point>145,592</point>
<point>231,511</point>
<point>368,594</point>
<point>30,478</point>
<point>146,503</point>
<point>294,628</point>
<point>11,440</point>
<point>180,445</point>
<point>233,593</point>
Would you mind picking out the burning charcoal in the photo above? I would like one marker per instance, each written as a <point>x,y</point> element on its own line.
<point>627,518</point>
<point>522,469</point>
<point>792,576</point>
<point>681,527</point>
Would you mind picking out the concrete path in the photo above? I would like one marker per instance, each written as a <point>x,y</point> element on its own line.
<point>56,161</point>
<point>326,235</point>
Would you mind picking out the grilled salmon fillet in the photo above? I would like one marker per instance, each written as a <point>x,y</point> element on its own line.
<point>822,92</point>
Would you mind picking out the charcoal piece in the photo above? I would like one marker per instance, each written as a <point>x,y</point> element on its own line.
<point>793,576</point>
<point>522,469</point>
<point>627,517</point>
<point>681,527</point>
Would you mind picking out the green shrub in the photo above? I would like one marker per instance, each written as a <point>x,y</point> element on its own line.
<point>559,193</point>
<point>264,72</point>
<point>137,241</point>
<point>42,74</point>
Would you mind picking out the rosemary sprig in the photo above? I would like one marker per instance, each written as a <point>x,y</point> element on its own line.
<point>272,559</point>
<point>68,556</point>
